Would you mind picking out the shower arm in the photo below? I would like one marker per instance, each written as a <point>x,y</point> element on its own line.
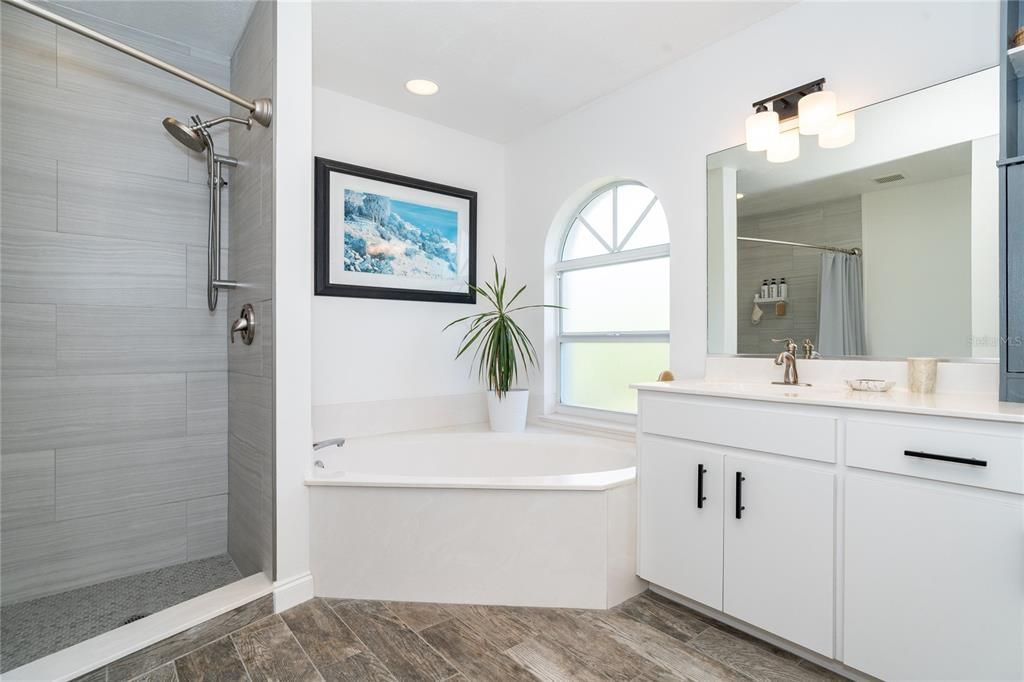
<point>260,109</point>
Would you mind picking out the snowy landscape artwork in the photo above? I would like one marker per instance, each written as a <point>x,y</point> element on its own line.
<point>380,235</point>
<point>392,237</point>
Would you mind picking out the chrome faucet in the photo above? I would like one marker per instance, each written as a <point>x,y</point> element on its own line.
<point>809,352</point>
<point>788,358</point>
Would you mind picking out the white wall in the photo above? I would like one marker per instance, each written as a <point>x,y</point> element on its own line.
<point>383,364</point>
<point>659,130</point>
<point>918,237</point>
<point>293,289</point>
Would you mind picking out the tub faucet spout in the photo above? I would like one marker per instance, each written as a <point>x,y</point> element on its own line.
<point>320,445</point>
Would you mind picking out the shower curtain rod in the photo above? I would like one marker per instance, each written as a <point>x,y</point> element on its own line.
<point>260,109</point>
<point>852,252</point>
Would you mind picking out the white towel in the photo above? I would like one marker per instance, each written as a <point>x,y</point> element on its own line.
<point>755,315</point>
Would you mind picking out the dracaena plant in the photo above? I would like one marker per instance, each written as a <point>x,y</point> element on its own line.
<point>501,344</point>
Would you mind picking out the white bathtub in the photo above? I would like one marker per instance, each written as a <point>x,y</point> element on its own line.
<point>534,519</point>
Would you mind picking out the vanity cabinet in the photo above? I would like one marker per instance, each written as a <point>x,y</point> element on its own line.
<point>889,541</point>
<point>934,581</point>
<point>681,512</point>
<point>779,543</point>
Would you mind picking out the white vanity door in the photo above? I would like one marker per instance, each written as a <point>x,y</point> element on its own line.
<point>934,581</point>
<point>681,542</point>
<point>779,563</point>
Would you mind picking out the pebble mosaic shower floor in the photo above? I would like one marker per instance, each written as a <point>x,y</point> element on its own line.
<point>37,627</point>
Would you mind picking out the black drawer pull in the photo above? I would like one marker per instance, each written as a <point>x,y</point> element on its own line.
<point>739,495</point>
<point>700,486</point>
<point>947,458</point>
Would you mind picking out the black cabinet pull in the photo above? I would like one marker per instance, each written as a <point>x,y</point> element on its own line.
<point>947,458</point>
<point>700,486</point>
<point>739,494</point>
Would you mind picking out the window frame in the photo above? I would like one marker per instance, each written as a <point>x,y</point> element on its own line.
<point>615,257</point>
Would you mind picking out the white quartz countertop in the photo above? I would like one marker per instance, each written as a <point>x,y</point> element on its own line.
<point>964,405</point>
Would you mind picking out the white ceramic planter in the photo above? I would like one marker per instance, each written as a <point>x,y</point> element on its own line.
<point>508,415</point>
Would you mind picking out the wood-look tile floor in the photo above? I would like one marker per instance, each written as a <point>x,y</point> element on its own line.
<point>647,638</point>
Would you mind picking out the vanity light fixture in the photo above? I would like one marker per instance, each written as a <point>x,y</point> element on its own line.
<point>419,86</point>
<point>816,112</point>
<point>840,134</point>
<point>786,147</point>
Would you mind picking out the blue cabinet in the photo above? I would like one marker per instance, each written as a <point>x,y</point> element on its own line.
<point>1011,246</point>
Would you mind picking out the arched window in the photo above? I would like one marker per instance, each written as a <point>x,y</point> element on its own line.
<point>613,279</point>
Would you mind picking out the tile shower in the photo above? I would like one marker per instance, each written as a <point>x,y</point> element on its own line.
<point>135,455</point>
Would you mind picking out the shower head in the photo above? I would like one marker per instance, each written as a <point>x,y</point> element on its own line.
<point>185,134</point>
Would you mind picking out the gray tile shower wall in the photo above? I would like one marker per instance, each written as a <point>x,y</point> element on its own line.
<point>250,375</point>
<point>113,458</point>
<point>833,223</point>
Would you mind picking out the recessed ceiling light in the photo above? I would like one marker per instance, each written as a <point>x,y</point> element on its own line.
<point>739,195</point>
<point>418,86</point>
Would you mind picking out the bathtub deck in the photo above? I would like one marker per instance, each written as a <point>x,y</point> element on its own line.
<point>646,638</point>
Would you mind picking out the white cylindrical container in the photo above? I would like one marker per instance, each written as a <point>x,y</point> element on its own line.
<point>508,415</point>
<point>764,289</point>
<point>773,289</point>
<point>783,289</point>
<point>921,374</point>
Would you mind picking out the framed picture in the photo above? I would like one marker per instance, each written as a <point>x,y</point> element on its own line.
<point>381,235</point>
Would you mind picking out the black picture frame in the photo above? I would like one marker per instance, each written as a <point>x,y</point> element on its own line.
<point>322,238</point>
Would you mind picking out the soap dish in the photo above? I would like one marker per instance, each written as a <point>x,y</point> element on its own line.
<point>872,385</point>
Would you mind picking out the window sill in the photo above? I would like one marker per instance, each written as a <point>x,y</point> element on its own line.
<point>596,427</point>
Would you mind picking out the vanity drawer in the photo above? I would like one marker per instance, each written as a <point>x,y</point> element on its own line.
<point>985,456</point>
<point>806,434</point>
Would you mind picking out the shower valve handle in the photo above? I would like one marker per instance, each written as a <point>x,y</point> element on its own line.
<point>245,325</point>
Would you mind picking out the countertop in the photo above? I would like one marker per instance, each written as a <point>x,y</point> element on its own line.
<point>963,405</point>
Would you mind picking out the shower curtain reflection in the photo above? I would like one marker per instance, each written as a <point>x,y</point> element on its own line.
<point>841,305</point>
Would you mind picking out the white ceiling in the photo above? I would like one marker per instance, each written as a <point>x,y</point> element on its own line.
<point>507,67</point>
<point>211,25</point>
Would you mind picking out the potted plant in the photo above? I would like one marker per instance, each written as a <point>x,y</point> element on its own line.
<point>501,345</point>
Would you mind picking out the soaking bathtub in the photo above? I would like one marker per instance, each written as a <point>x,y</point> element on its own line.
<point>530,519</point>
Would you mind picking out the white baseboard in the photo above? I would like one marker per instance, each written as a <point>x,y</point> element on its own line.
<point>292,591</point>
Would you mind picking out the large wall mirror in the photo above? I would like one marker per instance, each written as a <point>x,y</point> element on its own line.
<point>889,246</point>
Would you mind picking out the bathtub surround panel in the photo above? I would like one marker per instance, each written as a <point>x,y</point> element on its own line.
<point>114,388</point>
<point>372,418</point>
<point>546,519</point>
<point>468,546</point>
<point>250,383</point>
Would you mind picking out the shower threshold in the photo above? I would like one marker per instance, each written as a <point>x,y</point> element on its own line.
<point>38,627</point>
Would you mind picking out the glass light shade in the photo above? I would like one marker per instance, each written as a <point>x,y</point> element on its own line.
<point>762,129</point>
<point>817,112</point>
<point>786,147</point>
<point>840,134</point>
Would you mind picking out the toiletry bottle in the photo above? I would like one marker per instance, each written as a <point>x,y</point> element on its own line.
<point>764,288</point>
<point>783,289</point>
<point>773,289</point>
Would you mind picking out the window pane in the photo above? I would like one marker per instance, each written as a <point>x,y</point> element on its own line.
<point>633,199</point>
<point>629,297</point>
<point>581,243</point>
<point>598,213</point>
<point>652,231</point>
<point>598,375</point>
